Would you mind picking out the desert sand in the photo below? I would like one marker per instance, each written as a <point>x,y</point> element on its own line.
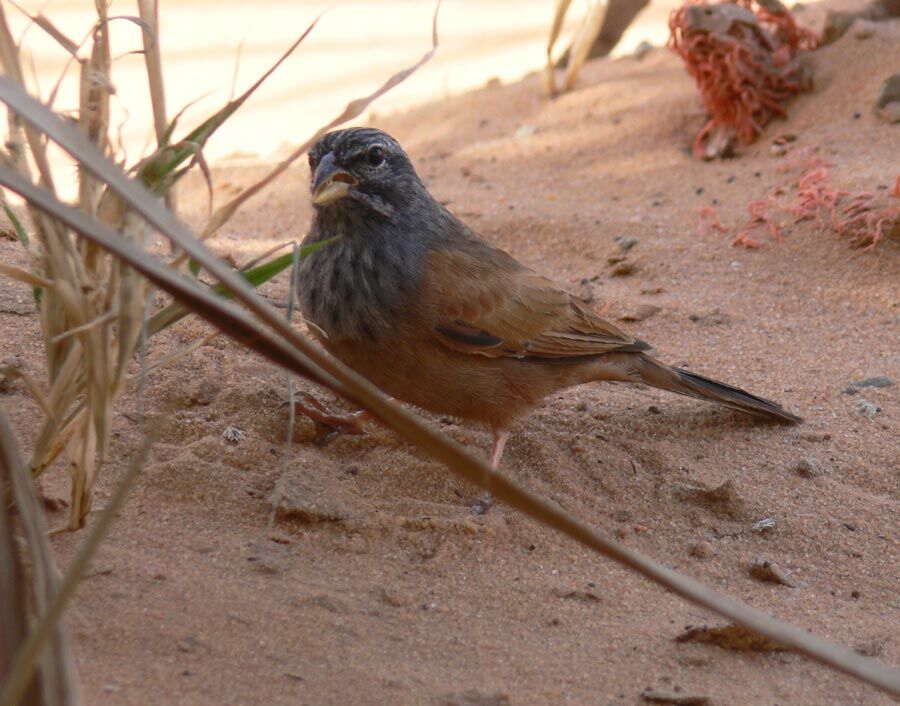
<point>375,584</point>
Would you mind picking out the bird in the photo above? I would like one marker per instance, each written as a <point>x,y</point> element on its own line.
<point>409,296</point>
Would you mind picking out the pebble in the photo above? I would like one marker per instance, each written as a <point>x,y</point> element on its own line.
<point>866,409</point>
<point>675,697</point>
<point>764,570</point>
<point>877,381</point>
<point>640,312</point>
<point>642,49</point>
<point>625,244</point>
<point>525,131</point>
<point>623,269</point>
<point>807,468</point>
<point>887,102</point>
<point>764,525</point>
<point>702,550</point>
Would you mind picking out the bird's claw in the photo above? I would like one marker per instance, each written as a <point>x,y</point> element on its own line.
<point>328,424</point>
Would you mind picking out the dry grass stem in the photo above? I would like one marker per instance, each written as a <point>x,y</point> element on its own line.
<point>44,676</point>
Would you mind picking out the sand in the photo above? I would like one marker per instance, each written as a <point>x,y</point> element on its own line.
<point>376,584</point>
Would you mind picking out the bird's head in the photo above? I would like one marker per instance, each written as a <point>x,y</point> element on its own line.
<point>363,171</point>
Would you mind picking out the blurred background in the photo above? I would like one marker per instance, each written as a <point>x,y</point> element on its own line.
<point>213,47</point>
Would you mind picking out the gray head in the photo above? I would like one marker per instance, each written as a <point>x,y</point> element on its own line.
<point>362,173</point>
<point>380,221</point>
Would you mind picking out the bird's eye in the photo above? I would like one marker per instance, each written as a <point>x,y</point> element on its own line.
<point>375,155</point>
<point>313,163</point>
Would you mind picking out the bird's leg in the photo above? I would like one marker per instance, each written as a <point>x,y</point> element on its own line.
<point>328,424</point>
<point>500,438</point>
<point>484,503</point>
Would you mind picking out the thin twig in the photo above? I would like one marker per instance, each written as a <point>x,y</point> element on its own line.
<point>292,412</point>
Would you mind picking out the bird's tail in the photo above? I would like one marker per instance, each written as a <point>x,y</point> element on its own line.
<point>657,374</point>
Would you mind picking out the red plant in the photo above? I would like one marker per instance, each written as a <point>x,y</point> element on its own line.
<point>864,217</point>
<point>744,58</point>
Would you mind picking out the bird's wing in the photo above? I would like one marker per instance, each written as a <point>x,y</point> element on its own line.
<point>487,303</point>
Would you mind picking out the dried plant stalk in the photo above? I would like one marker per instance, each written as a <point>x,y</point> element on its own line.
<point>587,34</point>
<point>92,305</point>
<point>28,584</point>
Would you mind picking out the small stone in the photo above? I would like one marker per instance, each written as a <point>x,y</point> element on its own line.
<point>729,637</point>
<point>653,409</point>
<point>764,525</point>
<point>877,381</point>
<point>623,269</point>
<point>625,244</point>
<point>675,697</point>
<point>807,468</point>
<point>764,570</point>
<point>525,131</point>
<point>887,102</point>
<point>233,435</point>
<point>702,550</point>
<point>866,409</point>
<point>188,644</point>
<point>640,312</point>
<point>642,49</point>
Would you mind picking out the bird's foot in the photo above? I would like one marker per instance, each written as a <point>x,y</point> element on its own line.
<point>328,424</point>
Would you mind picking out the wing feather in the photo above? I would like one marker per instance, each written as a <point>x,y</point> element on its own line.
<point>486,303</point>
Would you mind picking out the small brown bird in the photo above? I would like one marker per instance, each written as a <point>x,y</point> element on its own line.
<point>433,314</point>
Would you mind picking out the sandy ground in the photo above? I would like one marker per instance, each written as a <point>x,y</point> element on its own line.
<point>376,584</point>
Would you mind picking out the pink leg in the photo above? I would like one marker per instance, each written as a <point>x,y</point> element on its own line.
<point>484,503</point>
<point>500,438</point>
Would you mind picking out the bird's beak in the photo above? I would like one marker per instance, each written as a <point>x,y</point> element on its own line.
<point>330,182</point>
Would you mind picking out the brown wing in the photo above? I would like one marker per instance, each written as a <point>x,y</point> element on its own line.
<point>487,303</point>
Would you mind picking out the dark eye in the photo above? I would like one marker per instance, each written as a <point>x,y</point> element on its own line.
<point>313,163</point>
<point>375,155</point>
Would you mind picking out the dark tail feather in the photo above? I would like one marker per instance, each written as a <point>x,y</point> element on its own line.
<point>683,382</point>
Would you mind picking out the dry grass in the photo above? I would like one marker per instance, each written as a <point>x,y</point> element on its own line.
<point>585,36</point>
